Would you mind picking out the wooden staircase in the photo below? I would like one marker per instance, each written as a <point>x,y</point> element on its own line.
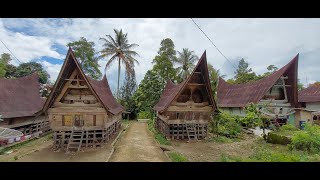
<point>191,131</point>
<point>75,140</point>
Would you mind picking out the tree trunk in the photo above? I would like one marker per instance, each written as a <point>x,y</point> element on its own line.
<point>118,93</point>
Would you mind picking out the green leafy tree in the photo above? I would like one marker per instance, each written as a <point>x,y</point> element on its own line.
<point>214,75</point>
<point>126,94</point>
<point>10,71</point>
<point>26,69</point>
<point>244,74</point>
<point>271,69</point>
<point>148,92</point>
<point>2,70</point>
<point>185,60</point>
<point>153,83</point>
<point>85,53</point>
<point>118,48</point>
<point>5,58</point>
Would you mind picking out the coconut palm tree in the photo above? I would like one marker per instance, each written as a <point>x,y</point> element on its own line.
<point>118,48</point>
<point>186,60</point>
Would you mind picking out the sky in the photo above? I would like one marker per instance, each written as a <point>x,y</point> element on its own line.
<point>261,42</point>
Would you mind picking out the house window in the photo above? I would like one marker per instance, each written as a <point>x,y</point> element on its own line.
<point>66,120</point>
<point>94,120</point>
<point>178,115</point>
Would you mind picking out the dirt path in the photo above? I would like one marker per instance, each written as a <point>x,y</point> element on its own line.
<point>138,145</point>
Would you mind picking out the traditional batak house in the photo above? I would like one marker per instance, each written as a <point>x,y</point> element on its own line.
<point>81,111</point>
<point>184,110</point>
<point>276,94</point>
<point>20,102</point>
<point>310,102</point>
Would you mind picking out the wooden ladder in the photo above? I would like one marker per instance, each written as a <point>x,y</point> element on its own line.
<point>191,131</point>
<point>191,128</point>
<point>75,140</point>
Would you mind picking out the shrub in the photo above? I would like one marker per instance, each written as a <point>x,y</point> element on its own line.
<point>276,138</point>
<point>226,124</point>
<point>144,115</point>
<point>288,127</point>
<point>307,140</point>
<point>177,157</point>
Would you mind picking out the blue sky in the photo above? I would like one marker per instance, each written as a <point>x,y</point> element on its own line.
<point>261,42</point>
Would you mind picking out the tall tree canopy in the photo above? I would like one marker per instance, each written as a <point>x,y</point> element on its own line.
<point>26,69</point>
<point>163,62</point>
<point>119,49</point>
<point>4,63</point>
<point>186,60</point>
<point>85,53</point>
<point>126,94</point>
<point>152,85</point>
<point>243,73</point>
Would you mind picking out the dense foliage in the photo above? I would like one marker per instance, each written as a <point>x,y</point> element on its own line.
<point>86,55</point>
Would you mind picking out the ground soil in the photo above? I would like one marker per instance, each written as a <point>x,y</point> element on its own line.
<point>138,145</point>
<point>208,151</point>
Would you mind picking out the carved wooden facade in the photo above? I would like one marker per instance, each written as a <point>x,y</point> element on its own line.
<point>185,109</point>
<point>80,104</point>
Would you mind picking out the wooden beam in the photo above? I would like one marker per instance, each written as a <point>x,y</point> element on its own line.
<point>73,79</point>
<point>65,88</point>
<point>78,87</point>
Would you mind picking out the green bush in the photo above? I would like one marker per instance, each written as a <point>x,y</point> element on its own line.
<point>144,115</point>
<point>307,140</point>
<point>271,156</point>
<point>226,124</point>
<point>288,127</point>
<point>158,136</point>
<point>276,138</point>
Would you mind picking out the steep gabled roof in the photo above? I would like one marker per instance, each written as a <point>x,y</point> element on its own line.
<point>20,97</point>
<point>100,89</point>
<point>171,90</point>
<point>310,94</point>
<point>238,95</point>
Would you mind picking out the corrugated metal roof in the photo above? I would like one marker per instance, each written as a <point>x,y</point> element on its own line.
<point>100,89</point>
<point>310,94</point>
<point>171,90</point>
<point>239,95</point>
<point>20,97</point>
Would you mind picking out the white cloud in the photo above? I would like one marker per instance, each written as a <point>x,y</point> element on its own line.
<point>260,41</point>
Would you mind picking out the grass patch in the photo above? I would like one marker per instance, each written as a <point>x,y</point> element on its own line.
<point>177,157</point>
<point>266,152</point>
<point>158,136</point>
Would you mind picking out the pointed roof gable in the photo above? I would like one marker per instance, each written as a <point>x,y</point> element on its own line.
<point>171,91</point>
<point>20,97</point>
<point>239,95</point>
<point>310,94</point>
<point>100,89</point>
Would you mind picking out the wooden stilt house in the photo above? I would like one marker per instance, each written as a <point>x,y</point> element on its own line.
<point>184,110</point>
<point>276,94</point>
<point>82,111</point>
<point>20,101</point>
